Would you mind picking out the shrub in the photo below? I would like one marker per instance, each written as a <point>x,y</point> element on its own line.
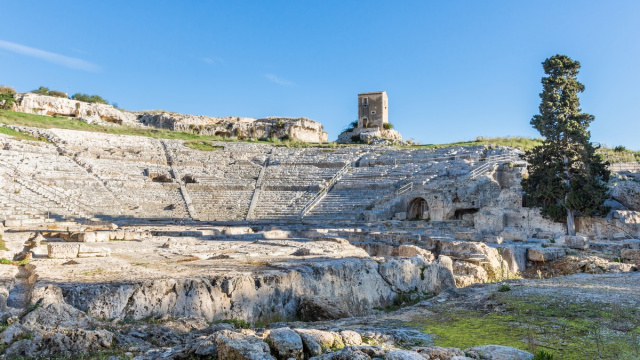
<point>352,126</point>
<point>89,98</point>
<point>6,97</point>
<point>504,288</point>
<point>620,148</point>
<point>7,90</point>
<point>43,90</point>
<point>279,124</point>
<point>57,93</point>
<point>543,355</point>
<point>387,126</point>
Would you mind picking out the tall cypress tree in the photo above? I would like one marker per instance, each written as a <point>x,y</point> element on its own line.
<point>566,176</point>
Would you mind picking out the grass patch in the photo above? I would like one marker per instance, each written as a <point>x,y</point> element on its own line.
<point>4,261</point>
<point>202,145</point>
<point>91,272</point>
<point>237,323</point>
<point>619,154</point>
<point>19,135</point>
<point>568,330</point>
<point>512,141</point>
<point>3,245</point>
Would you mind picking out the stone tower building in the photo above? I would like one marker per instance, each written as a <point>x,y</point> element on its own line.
<point>373,110</point>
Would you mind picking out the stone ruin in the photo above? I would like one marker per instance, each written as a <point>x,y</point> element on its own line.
<point>373,124</point>
<point>121,229</point>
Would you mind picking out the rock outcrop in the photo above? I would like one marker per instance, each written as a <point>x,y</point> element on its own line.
<point>90,112</point>
<point>359,284</point>
<point>300,129</point>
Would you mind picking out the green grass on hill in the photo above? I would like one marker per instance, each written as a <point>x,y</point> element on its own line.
<point>17,134</point>
<point>202,142</point>
<point>194,141</point>
<point>521,142</point>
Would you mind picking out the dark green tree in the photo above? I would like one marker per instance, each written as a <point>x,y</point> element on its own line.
<point>567,177</point>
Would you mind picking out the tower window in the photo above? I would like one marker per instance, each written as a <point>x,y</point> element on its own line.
<point>365,101</point>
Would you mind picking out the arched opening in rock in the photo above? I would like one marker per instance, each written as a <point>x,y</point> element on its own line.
<point>460,213</point>
<point>418,209</point>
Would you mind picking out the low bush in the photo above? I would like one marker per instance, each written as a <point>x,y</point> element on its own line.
<point>6,97</point>
<point>387,126</point>
<point>543,355</point>
<point>43,90</point>
<point>7,90</point>
<point>57,93</point>
<point>89,98</point>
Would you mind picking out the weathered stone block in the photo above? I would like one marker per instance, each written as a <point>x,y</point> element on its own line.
<point>467,235</point>
<point>630,255</point>
<point>545,254</point>
<point>63,250</point>
<point>401,216</point>
<point>93,251</point>
<point>493,239</point>
<point>285,344</point>
<point>412,250</point>
<point>513,236</point>
<point>85,236</point>
<point>574,242</point>
<point>104,235</point>
<point>276,234</point>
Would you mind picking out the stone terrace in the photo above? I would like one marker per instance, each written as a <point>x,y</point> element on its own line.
<point>128,177</point>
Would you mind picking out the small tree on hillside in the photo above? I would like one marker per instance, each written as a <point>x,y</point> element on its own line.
<point>566,176</point>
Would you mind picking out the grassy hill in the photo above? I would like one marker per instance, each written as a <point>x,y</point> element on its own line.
<point>202,142</point>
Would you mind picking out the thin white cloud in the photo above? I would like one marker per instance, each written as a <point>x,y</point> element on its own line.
<point>212,60</point>
<point>278,80</point>
<point>66,61</point>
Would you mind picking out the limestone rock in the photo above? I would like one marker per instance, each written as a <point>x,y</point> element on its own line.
<point>316,341</point>
<point>285,344</point>
<point>351,338</point>
<point>497,352</point>
<point>235,346</point>
<point>545,254</point>
<point>314,308</point>
<point>467,273</point>
<point>411,274</point>
<point>513,236</point>
<point>90,112</point>
<point>574,242</point>
<point>467,235</point>
<point>630,255</point>
<point>62,251</point>
<point>61,343</point>
<point>628,194</point>
<point>93,251</point>
<point>347,353</point>
<point>627,217</point>
<point>404,355</point>
<point>493,239</point>
<point>412,250</point>
<point>57,315</point>
<point>439,353</point>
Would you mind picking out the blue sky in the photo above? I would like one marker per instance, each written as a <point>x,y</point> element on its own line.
<point>453,70</point>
